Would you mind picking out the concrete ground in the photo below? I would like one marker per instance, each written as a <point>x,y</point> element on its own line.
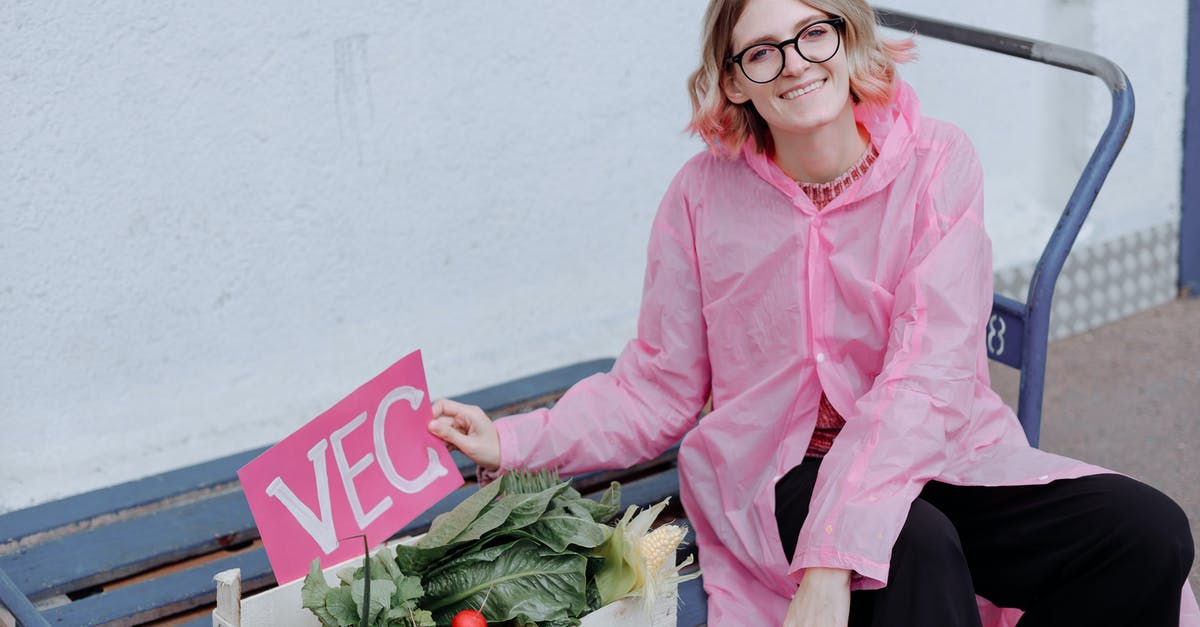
<point>1126,396</point>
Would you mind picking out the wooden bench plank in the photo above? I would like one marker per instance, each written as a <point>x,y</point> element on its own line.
<point>110,552</point>
<point>76,510</point>
<point>531,388</point>
<point>156,598</point>
<point>693,604</point>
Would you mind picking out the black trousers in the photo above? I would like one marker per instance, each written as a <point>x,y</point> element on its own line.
<point>1099,550</point>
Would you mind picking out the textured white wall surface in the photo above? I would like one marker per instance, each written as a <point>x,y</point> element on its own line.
<point>220,219</point>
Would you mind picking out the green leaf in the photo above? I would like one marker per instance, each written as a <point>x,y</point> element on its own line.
<point>526,482</point>
<point>594,601</point>
<point>379,598</point>
<point>313,594</point>
<point>523,578</point>
<point>606,509</point>
<point>522,620</point>
<point>618,576</point>
<point>509,512</point>
<point>347,574</point>
<point>340,604</point>
<point>425,618</point>
<point>566,622</point>
<point>623,570</point>
<point>408,589</point>
<point>383,566</point>
<point>611,502</point>
<point>452,523</point>
<point>528,508</point>
<point>560,528</point>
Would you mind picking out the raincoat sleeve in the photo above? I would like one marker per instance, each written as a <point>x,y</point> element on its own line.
<point>894,439</point>
<point>658,384</point>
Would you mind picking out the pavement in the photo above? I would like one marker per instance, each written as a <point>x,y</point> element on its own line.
<point>1126,396</point>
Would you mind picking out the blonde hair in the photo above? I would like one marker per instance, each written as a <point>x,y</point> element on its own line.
<point>725,126</point>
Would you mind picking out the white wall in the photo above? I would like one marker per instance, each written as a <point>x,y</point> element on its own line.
<point>1035,125</point>
<point>218,220</point>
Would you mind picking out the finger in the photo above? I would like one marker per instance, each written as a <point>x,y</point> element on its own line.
<point>442,427</point>
<point>456,439</point>
<point>455,408</point>
<point>464,422</point>
<point>449,407</point>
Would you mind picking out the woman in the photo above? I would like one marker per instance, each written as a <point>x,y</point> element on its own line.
<point>823,273</point>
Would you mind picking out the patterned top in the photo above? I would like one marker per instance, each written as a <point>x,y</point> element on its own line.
<point>822,194</point>
<point>829,421</point>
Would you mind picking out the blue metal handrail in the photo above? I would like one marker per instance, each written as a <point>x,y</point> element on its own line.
<point>1031,319</point>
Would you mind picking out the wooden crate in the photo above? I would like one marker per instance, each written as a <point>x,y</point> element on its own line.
<point>281,606</point>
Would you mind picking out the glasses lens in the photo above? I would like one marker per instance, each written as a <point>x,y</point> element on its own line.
<point>818,42</point>
<point>762,63</point>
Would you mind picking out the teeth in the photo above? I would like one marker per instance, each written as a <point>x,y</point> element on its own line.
<point>796,93</point>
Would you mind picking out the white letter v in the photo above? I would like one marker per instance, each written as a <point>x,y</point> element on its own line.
<point>321,529</point>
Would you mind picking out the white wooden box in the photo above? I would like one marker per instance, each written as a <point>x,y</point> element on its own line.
<point>281,606</point>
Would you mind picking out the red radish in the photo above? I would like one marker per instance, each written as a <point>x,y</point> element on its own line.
<point>469,618</point>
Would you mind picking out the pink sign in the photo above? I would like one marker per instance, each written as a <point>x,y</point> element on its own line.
<point>366,466</point>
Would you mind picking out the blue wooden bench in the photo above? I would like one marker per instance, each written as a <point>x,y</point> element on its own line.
<point>148,549</point>
<point>77,551</point>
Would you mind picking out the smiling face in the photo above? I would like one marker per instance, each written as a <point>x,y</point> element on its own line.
<point>805,96</point>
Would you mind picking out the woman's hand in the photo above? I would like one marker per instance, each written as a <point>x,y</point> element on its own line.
<point>822,600</point>
<point>468,429</point>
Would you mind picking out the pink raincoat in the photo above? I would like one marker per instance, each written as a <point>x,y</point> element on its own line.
<point>754,296</point>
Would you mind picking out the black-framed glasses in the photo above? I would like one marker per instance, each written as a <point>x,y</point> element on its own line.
<point>816,43</point>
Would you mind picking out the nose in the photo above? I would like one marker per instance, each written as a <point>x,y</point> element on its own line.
<point>793,63</point>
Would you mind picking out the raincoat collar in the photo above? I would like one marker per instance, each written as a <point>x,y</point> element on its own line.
<point>893,130</point>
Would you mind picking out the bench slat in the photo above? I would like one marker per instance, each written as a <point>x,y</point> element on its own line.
<point>533,387</point>
<point>111,552</point>
<point>693,604</point>
<point>141,493</point>
<point>170,594</point>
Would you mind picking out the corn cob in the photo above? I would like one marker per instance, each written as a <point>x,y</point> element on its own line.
<point>660,544</point>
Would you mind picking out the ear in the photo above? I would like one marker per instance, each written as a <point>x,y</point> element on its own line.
<point>732,86</point>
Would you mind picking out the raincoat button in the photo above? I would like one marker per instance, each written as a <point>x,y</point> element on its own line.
<point>1043,477</point>
<point>829,529</point>
<point>820,358</point>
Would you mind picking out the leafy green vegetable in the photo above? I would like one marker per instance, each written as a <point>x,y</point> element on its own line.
<point>314,593</point>
<point>520,577</point>
<point>340,603</point>
<point>391,597</point>
<point>452,523</point>
<point>567,525</point>
<point>377,598</point>
<point>540,553</point>
<point>608,507</point>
